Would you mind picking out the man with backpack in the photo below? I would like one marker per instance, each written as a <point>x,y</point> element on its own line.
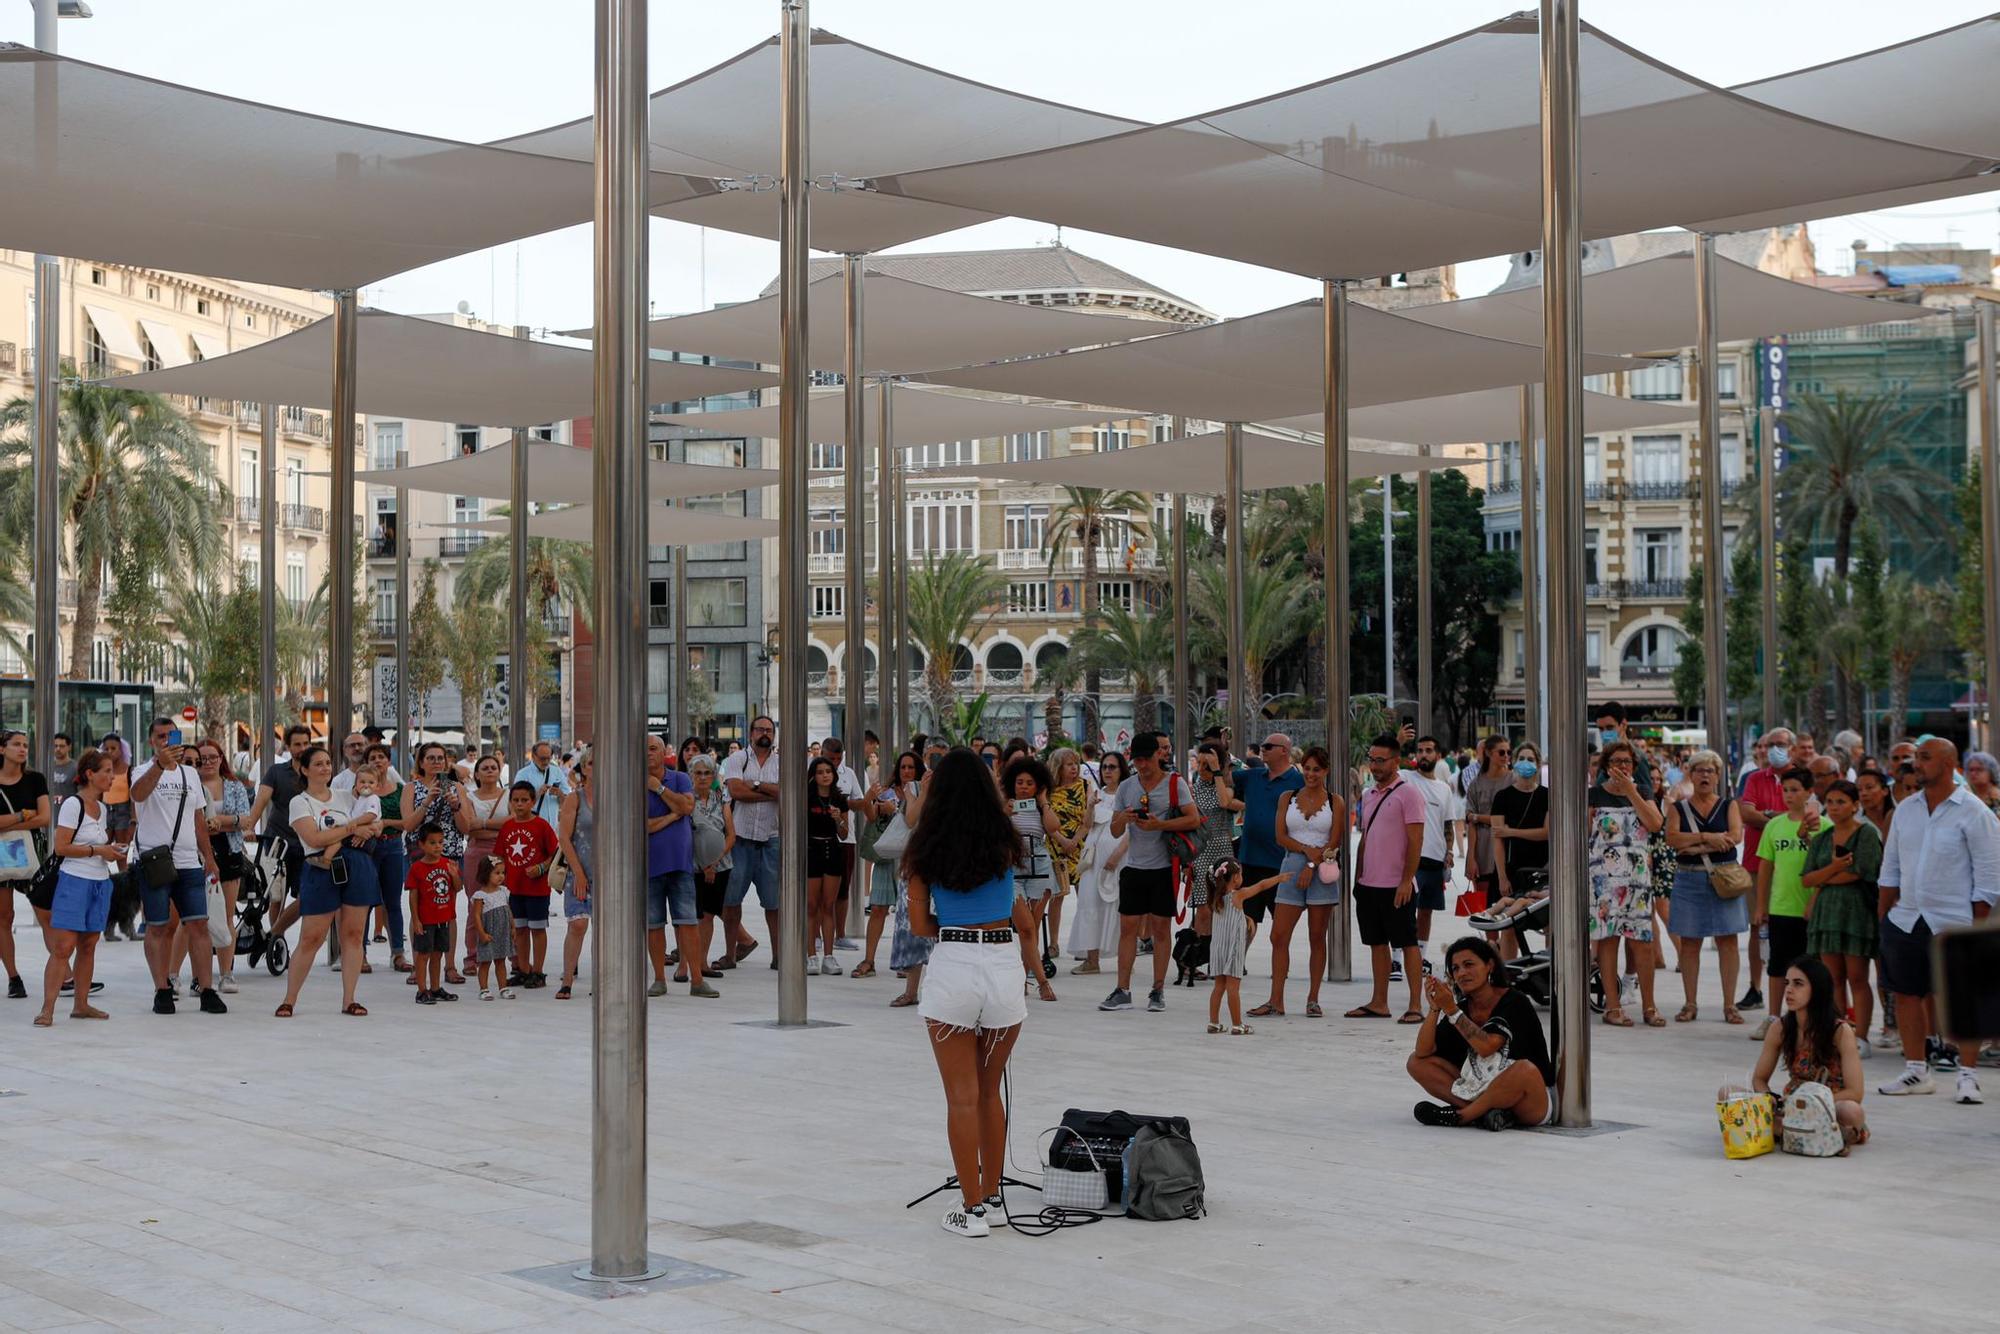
<point>1150,806</point>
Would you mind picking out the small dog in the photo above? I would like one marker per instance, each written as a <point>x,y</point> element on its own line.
<point>1190,954</point>
<point>125,905</point>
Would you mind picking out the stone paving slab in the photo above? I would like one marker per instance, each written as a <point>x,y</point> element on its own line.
<point>400,1171</point>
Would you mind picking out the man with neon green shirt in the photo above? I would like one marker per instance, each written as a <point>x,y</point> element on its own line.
<point>1781,893</point>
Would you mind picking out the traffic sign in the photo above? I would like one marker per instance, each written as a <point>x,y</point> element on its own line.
<point>189,714</point>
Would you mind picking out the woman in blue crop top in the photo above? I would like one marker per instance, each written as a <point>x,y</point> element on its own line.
<point>960,869</point>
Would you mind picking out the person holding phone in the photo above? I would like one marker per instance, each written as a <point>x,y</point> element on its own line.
<point>170,805</point>
<point>339,879</point>
<point>1026,784</point>
<point>1481,1051</point>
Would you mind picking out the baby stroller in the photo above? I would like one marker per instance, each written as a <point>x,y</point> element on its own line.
<point>1531,969</point>
<point>254,937</point>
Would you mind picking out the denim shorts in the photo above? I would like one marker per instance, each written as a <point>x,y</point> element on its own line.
<point>572,905</point>
<point>756,864</point>
<point>189,893</point>
<point>670,898</point>
<point>80,905</point>
<point>318,895</point>
<point>1315,894</point>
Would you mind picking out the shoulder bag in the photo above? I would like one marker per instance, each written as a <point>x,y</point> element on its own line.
<point>19,858</point>
<point>41,890</point>
<point>1181,843</point>
<point>155,866</point>
<point>1729,880</point>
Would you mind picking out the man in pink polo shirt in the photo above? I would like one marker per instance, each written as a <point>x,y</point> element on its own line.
<point>1385,879</point>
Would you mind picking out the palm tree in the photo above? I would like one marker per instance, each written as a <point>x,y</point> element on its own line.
<point>558,572</point>
<point>218,633</point>
<point>138,487</point>
<point>1277,609</point>
<point>1846,459</point>
<point>475,635</point>
<point>949,598</point>
<point>17,604</point>
<point>1139,642</point>
<point>1083,518</point>
<point>1915,622</point>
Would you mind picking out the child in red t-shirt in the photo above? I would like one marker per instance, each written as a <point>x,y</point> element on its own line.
<point>432,883</point>
<point>528,846</point>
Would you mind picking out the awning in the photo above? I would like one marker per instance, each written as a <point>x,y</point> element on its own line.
<point>116,331</point>
<point>1649,307</point>
<point>111,165</point>
<point>870,113</point>
<point>210,346</point>
<point>1194,464</point>
<point>430,371</point>
<point>920,416</point>
<point>1270,365</point>
<point>169,344</point>
<point>906,327</point>
<point>559,475</point>
<point>1434,157</point>
<point>665,526</point>
<point>1486,414</point>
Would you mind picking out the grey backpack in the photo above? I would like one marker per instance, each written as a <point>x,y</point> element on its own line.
<point>1162,1174</point>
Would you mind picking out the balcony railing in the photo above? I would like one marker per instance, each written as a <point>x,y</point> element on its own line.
<point>460,544</point>
<point>1614,492</point>
<point>249,509</point>
<point>1645,671</point>
<point>305,518</point>
<point>383,626</point>
<point>310,425</point>
<point>1005,677</point>
<point>1684,489</point>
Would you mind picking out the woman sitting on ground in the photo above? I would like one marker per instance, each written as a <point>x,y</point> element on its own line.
<point>1481,1051</point>
<point>1816,1046</point>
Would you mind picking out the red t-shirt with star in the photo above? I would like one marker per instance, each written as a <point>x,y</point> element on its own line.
<point>435,887</point>
<point>525,845</point>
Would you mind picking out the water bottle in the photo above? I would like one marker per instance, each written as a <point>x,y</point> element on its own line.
<point>1764,932</point>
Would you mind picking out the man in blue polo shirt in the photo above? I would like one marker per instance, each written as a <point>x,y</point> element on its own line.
<point>1260,786</point>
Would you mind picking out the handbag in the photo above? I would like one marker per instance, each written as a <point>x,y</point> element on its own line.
<point>1746,1125</point>
<point>1477,1072</point>
<point>893,839</point>
<point>1181,845</point>
<point>155,866</point>
<point>19,858</point>
<point>1731,880</point>
<point>221,932</point>
<point>1068,1187</point>
<point>41,890</point>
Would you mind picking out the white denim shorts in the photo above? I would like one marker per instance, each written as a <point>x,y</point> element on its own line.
<point>974,986</point>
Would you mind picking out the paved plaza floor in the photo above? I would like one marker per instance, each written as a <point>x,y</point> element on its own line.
<point>406,1170</point>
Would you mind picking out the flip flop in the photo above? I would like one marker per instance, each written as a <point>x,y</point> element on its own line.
<point>1313,1011</point>
<point>1363,1012</point>
<point>1686,1014</point>
<point>901,1001</point>
<point>1411,1017</point>
<point>863,970</point>
<point>355,1008</point>
<point>1617,1019</point>
<point>283,1011</point>
<point>1266,1010</point>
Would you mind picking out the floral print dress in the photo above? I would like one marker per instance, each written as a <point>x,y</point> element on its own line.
<point>1621,875</point>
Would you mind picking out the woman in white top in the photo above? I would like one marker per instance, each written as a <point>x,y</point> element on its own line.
<point>480,816</point>
<point>1094,932</point>
<point>338,878</point>
<point>83,888</point>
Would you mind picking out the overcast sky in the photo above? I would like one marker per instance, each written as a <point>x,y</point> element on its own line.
<point>482,69</point>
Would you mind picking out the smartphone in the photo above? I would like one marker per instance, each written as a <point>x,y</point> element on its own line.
<point>337,872</point>
<point>1965,971</point>
<point>1025,804</point>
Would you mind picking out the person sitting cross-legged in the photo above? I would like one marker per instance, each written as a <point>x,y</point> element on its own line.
<point>1481,1050</point>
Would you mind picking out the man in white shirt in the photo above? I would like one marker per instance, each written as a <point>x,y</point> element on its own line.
<point>1441,814</point>
<point>1940,869</point>
<point>550,782</point>
<point>169,803</point>
<point>833,748</point>
<point>750,779</point>
<point>355,749</point>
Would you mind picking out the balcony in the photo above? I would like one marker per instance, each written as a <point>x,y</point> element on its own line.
<point>249,509</point>
<point>1636,590</point>
<point>382,548</point>
<point>302,424</point>
<point>460,544</point>
<point>384,627</point>
<point>305,518</point>
<point>1646,671</point>
<point>1006,678</point>
<point>1684,489</point>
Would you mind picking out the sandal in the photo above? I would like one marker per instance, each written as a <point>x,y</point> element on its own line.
<point>1411,1017</point>
<point>400,964</point>
<point>902,1000</point>
<point>1241,1031</point>
<point>1266,1010</point>
<point>1313,1011</point>
<point>1617,1018</point>
<point>745,950</point>
<point>454,977</point>
<point>1363,1012</point>
<point>283,1011</point>
<point>1653,1020</point>
<point>45,1021</point>
<point>1686,1014</point>
<point>1217,1028</point>
<point>355,1008</point>
<point>367,967</point>
<point>863,969</point>
<point>1732,1015</point>
<point>562,992</point>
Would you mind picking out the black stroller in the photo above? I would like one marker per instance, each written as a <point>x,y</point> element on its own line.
<point>1531,969</point>
<point>255,939</point>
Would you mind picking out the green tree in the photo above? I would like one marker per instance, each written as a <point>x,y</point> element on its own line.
<point>1968,594</point>
<point>219,634</point>
<point>1846,458</point>
<point>1743,622</point>
<point>1139,642</point>
<point>558,573</point>
<point>1867,595</point>
<point>426,664</point>
<point>1914,623</point>
<point>1690,676</point>
<point>475,635</point>
<point>138,491</point>
<point>1798,630</point>
<point>949,598</point>
<point>1277,607</point>
<point>1082,520</point>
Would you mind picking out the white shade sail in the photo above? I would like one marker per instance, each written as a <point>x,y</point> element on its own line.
<point>1486,414</point>
<point>665,526</point>
<point>920,417</point>
<point>98,162</point>
<point>1434,157</point>
<point>1649,307</point>
<point>559,475</point>
<point>431,371</point>
<point>906,326</point>
<point>1270,365</point>
<point>870,113</point>
<point>1194,464</point>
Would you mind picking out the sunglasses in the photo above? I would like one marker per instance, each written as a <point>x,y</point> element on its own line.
<point>1273,745</point>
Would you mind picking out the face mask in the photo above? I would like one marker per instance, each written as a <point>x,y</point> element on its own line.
<point>1607,736</point>
<point>1778,756</point>
<point>1526,769</point>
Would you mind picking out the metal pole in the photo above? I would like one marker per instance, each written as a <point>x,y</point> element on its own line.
<point>888,668</point>
<point>1240,682</point>
<point>683,723</point>
<point>1531,574</point>
<point>1180,693</point>
<point>1767,521</point>
<point>267,585</point>
<point>1426,719</point>
<point>794,185</point>
<point>46,562</point>
<point>1562,427</point>
<point>1989,483</point>
<point>1388,593</point>
<point>854,454</point>
<point>1339,670</point>
<point>520,704</point>
<point>340,578</point>
<point>618,483</point>
<point>904,726</point>
<point>405,709</point>
<point>1714,560</point>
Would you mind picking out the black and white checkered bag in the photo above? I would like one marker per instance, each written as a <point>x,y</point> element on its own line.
<point>1068,1188</point>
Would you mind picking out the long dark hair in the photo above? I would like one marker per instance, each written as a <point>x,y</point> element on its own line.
<point>1482,949</point>
<point>963,838</point>
<point>1820,1018</point>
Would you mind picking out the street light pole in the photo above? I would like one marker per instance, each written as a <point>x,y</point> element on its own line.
<point>404,709</point>
<point>1426,718</point>
<point>267,584</point>
<point>1767,520</point>
<point>888,666</point>
<point>854,541</point>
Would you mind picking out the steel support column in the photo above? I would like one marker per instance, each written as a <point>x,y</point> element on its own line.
<point>1333,540</point>
<point>404,704</point>
<point>888,668</point>
<point>905,725</point>
<point>340,574</point>
<point>45,560</point>
<point>1181,693</point>
<point>1389,591</point>
<point>1240,683</point>
<point>1533,687</point>
<point>1562,484</point>
<point>1426,719</point>
<point>854,455</point>
<point>1715,561</point>
<point>520,704</point>
<point>1989,482</point>
<point>1767,535</point>
<point>271,747</point>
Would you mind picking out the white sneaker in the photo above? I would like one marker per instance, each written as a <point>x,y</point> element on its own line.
<point>963,1222</point>
<point>1763,1029</point>
<point>1888,1040</point>
<point>1864,1050</point>
<point>228,984</point>
<point>812,965</point>
<point>506,993</point>
<point>996,1213</point>
<point>830,966</point>
<point>1628,991</point>
<point>1914,1079</point>
<point>1968,1087</point>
